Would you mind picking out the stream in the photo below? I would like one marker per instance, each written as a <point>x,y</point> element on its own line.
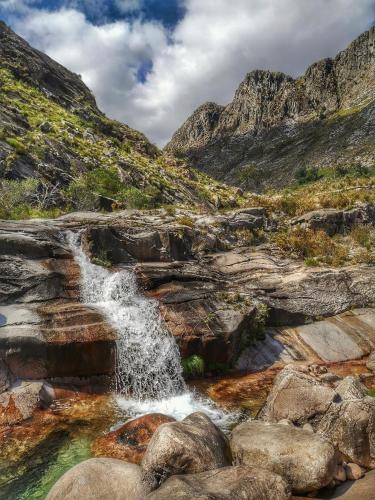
<point>148,379</point>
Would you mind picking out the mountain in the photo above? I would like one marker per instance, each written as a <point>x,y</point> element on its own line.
<point>71,155</point>
<point>276,124</point>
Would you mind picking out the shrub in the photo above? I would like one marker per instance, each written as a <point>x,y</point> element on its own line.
<point>185,220</point>
<point>308,174</point>
<point>363,235</point>
<point>193,366</point>
<point>307,244</point>
<point>16,198</point>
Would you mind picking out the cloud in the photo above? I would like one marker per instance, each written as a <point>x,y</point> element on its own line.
<point>204,58</point>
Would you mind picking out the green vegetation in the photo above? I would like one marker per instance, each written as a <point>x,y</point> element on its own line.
<point>102,259</point>
<point>193,366</point>
<point>185,220</point>
<point>312,246</point>
<point>88,156</point>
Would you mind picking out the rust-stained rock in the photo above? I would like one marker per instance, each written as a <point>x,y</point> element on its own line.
<point>130,441</point>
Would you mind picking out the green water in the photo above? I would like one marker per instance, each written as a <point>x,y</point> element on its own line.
<point>33,476</point>
<point>28,470</point>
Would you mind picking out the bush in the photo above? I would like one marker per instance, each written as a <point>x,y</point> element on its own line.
<point>193,366</point>
<point>308,244</point>
<point>364,236</point>
<point>185,220</point>
<point>16,198</point>
<point>308,174</point>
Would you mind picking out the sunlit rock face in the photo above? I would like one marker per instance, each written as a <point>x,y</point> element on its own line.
<point>276,123</point>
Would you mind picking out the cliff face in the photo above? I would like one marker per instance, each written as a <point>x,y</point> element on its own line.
<point>278,123</point>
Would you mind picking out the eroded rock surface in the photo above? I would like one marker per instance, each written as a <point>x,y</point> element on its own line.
<point>188,447</point>
<point>307,461</point>
<point>298,397</point>
<point>226,483</point>
<point>130,441</point>
<point>104,478</point>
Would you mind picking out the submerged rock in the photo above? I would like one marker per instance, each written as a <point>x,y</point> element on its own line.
<point>130,441</point>
<point>307,461</point>
<point>227,483</point>
<point>100,478</point>
<point>19,402</point>
<point>188,447</point>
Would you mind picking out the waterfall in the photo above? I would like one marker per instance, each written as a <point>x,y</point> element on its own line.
<point>147,357</point>
<point>148,371</point>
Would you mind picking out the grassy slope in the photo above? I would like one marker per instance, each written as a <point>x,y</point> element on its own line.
<point>90,142</point>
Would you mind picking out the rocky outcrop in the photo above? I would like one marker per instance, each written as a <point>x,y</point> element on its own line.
<point>307,461</point>
<point>344,415</point>
<point>191,446</point>
<point>276,123</point>
<point>130,441</point>
<point>334,221</point>
<point>226,483</point>
<point>104,478</point>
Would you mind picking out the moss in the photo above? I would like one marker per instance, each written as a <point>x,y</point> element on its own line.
<point>16,144</point>
<point>193,366</point>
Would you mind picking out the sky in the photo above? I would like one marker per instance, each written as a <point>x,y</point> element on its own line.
<point>150,63</point>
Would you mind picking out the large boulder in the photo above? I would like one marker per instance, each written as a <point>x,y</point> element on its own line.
<point>297,396</point>
<point>307,461</point>
<point>100,478</point>
<point>350,426</point>
<point>227,483</point>
<point>130,441</point>
<point>188,447</point>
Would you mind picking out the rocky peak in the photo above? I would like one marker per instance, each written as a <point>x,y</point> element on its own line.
<point>39,70</point>
<point>274,103</point>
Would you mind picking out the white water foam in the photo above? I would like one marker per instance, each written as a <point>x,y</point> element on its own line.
<point>148,369</point>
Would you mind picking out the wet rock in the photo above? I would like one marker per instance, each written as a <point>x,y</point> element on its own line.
<point>100,478</point>
<point>188,447</point>
<point>226,483</point>
<point>130,441</point>
<point>296,396</point>
<point>350,426</point>
<point>307,461</point>
<point>4,377</point>
<point>19,402</point>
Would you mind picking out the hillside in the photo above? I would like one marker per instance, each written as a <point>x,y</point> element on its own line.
<point>277,126</point>
<point>59,152</point>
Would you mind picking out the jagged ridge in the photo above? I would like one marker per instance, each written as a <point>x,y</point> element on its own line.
<point>278,123</point>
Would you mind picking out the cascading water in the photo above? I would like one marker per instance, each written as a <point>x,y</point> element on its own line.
<point>148,369</point>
